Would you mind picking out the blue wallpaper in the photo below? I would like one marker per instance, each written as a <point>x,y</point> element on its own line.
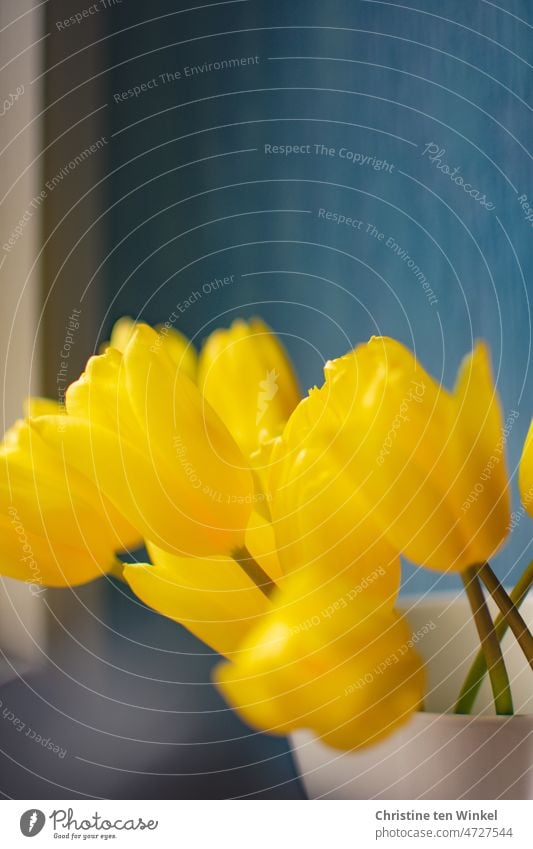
<point>353,167</point>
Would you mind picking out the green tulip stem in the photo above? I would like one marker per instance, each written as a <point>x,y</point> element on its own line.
<point>499,679</point>
<point>476,674</point>
<point>255,572</point>
<point>509,611</point>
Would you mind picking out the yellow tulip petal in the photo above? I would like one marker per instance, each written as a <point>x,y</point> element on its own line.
<point>121,334</point>
<point>318,514</point>
<point>261,543</point>
<point>131,481</point>
<point>328,662</point>
<point>140,430</point>
<point>213,598</point>
<point>525,478</point>
<point>246,376</point>
<point>208,469</point>
<point>68,532</point>
<point>35,406</point>
<point>179,349</point>
<point>421,458</point>
<point>482,484</point>
<point>95,395</point>
<point>320,518</point>
<point>44,562</point>
<point>177,346</point>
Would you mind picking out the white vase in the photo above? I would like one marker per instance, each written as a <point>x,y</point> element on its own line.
<point>437,754</point>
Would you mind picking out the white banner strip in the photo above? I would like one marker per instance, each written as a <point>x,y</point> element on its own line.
<point>264,824</point>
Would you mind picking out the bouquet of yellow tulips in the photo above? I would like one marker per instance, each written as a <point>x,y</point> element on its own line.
<point>274,525</point>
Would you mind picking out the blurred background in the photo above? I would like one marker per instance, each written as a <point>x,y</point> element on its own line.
<point>311,153</point>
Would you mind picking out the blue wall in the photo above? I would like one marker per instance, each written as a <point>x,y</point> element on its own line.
<point>194,196</point>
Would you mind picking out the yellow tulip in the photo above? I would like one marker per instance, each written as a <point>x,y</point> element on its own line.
<point>525,476</point>
<point>142,432</point>
<point>247,377</point>
<point>36,406</point>
<point>212,597</point>
<point>318,515</point>
<point>121,333</point>
<point>429,464</point>
<point>328,659</point>
<point>57,529</point>
<point>260,542</point>
<point>178,347</point>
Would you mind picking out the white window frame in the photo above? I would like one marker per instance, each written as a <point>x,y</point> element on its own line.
<point>22,616</point>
